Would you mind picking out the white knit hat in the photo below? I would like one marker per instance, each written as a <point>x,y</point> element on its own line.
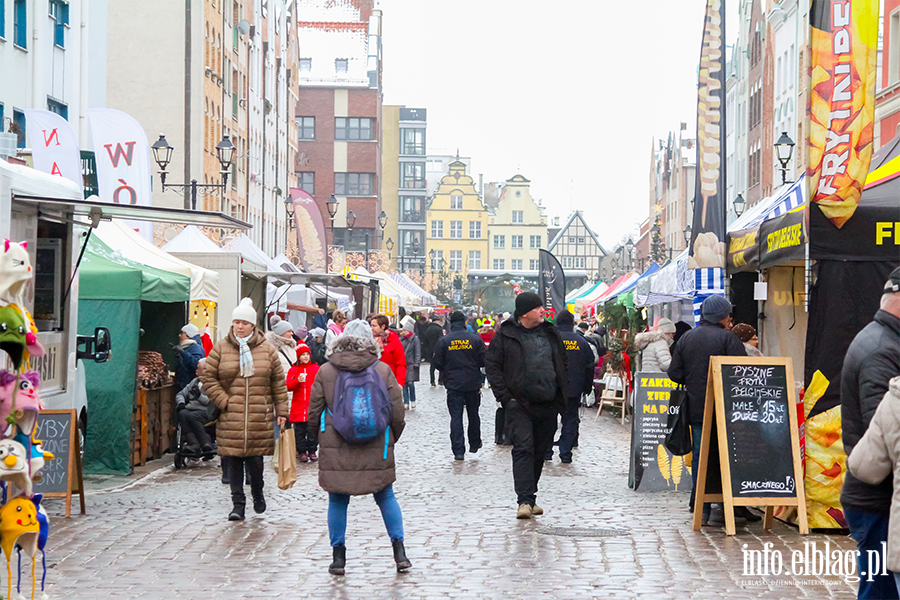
<point>244,312</point>
<point>665,326</point>
<point>190,330</point>
<point>279,326</point>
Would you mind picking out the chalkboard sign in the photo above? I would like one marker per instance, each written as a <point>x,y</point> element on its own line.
<point>655,468</point>
<point>57,430</point>
<point>750,418</point>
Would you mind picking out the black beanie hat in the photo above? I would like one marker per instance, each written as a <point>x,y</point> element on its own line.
<point>527,302</point>
<point>565,318</point>
<point>457,316</point>
<point>893,283</point>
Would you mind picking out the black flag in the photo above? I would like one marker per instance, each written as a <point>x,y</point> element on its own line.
<point>551,284</point>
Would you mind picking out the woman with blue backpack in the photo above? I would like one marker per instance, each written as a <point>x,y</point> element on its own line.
<point>358,404</point>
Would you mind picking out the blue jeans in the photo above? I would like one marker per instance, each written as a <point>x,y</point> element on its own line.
<point>409,393</point>
<point>870,530</point>
<point>386,501</point>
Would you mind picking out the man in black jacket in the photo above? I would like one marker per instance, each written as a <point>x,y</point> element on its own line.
<point>690,366</point>
<point>526,366</point>
<point>459,357</point>
<point>871,361</point>
<point>433,332</point>
<point>581,381</point>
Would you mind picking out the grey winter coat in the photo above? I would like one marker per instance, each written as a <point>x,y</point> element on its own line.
<point>359,469</point>
<point>877,455</point>
<point>412,349</point>
<point>654,348</point>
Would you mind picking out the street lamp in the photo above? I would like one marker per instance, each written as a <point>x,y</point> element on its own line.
<point>416,253</point>
<point>383,219</point>
<point>431,255</point>
<point>629,245</point>
<point>389,244</point>
<point>351,220</point>
<point>739,205</point>
<point>784,148</point>
<point>687,236</point>
<point>162,154</point>
<point>289,209</point>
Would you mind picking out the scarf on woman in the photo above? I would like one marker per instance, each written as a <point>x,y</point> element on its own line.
<point>246,356</point>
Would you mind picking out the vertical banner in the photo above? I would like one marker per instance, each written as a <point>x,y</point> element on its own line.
<point>844,56</point>
<point>551,284</point>
<point>708,226</point>
<point>54,145</point>
<point>310,231</point>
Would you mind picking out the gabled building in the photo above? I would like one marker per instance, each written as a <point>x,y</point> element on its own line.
<point>457,226</point>
<point>577,248</point>
<point>518,229</point>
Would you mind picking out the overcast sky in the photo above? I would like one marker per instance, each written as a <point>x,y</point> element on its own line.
<point>570,94</point>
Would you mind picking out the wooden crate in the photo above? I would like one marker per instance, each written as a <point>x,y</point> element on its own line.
<point>153,423</point>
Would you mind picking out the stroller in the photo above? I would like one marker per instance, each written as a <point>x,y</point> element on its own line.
<point>183,452</point>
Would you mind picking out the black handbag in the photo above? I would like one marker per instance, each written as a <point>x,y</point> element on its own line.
<point>678,423</point>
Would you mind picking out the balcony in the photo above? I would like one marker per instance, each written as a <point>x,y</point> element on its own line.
<point>412,216</point>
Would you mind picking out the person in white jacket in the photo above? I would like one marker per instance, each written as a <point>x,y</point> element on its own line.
<point>654,347</point>
<point>875,457</point>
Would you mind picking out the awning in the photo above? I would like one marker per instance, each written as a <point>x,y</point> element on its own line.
<point>588,286</point>
<point>651,270</point>
<point>784,200</point>
<point>250,251</point>
<point>153,214</point>
<point>191,239</point>
<point>306,278</point>
<point>122,238</point>
<point>672,283</point>
<point>404,280</point>
<point>105,274</point>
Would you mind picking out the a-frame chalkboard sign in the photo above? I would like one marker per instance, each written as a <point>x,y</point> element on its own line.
<point>751,407</point>
<point>62,476</point>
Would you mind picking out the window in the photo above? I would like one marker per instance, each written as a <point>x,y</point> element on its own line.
<point>517,241</point>
<point>306,127</point>
<point>474,259</point>
<point>20,26</point>
<point>579,262</point>
<point>456,202</point>
<point>567,262</point>
<point>456,260</point>
<point>581,240</point>
<point>571,240</point>
<point>499,264</point>
<point>412,175</point>
<point>535,242</point>
<point>59,108</point>
<point>516,264</point>
<point>305,65</point>
<point>59,12</point>
<point>475,230</point>
<point>438,263</point>
<point>307,182</point>
<point>437,229</point>
<point>19,123</point>
<point>353,184</point>
<point>518,217</point>
<point>534,264</point>
<point>352,128</point>
<point>412,141</point>
<point>411,209</point>
<point>340,65</point>
<point>499,241</point>
<point>456,230</point>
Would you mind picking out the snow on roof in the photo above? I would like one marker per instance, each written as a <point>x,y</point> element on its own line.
<point>329,10</point>
<point>325,43</point>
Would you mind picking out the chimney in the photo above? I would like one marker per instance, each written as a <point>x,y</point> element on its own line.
<point>481,184</point>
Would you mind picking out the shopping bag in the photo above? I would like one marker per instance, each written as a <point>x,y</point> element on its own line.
<point>678,423</point>
<point>286,459</point>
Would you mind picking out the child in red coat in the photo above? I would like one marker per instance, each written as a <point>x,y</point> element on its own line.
<point>300,379</point>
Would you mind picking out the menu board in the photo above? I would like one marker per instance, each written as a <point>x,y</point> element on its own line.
<point>58,432</point>
<point>758,430</point>
<point>655,468</point>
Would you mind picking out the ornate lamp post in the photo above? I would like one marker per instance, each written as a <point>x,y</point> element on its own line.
<point>162,154</point>
<point>784,148</point>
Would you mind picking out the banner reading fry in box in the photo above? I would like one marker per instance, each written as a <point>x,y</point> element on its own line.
<point>844,55</point>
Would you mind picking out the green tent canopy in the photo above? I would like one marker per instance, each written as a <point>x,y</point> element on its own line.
<point>107,275</point>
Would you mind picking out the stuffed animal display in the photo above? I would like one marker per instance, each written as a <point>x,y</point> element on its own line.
<point>24,526</point>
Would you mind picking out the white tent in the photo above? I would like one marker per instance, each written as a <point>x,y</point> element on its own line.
<point>191,239</point>
<point>122,238</point>
<point>404,280</point>
<point>250,251</point>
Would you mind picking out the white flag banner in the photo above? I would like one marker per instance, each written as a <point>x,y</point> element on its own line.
<point>123,161</point>
<point>54,145</point>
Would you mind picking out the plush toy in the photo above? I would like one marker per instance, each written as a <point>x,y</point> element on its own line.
<point>15,272</point>
<point>31,547</point>
<point>27,400</point>
<point>38,458</point>
<point>12,334</point>
<point>32,345</point>
<point>18,526</point>
<point>14,468</point>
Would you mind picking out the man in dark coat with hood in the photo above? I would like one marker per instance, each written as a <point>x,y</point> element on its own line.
<point>580,382</point>
<point>433,332</point>
<point>690,366</point>
<point>527,368</point>
<point>871,361</point>
<point>459,357</point>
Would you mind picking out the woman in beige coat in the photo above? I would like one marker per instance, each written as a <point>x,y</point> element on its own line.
<point>245,380</point>
<point>354,470</point>
<point>875,457</point>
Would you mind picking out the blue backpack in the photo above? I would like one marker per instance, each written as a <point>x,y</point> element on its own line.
<point>362,407</point>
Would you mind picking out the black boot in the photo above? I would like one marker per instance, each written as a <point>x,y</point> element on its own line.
<point>400,556</point>
<point>259,503</point>
<point>237,513</point>
<point>339,560</point>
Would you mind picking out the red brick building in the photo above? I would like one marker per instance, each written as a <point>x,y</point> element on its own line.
<point>338,117</point>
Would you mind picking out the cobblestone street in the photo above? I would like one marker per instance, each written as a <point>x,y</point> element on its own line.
<point>166,535</point>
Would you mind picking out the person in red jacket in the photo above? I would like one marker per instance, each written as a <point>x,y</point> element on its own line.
<point>392,353</point>
<point>300,379</point>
